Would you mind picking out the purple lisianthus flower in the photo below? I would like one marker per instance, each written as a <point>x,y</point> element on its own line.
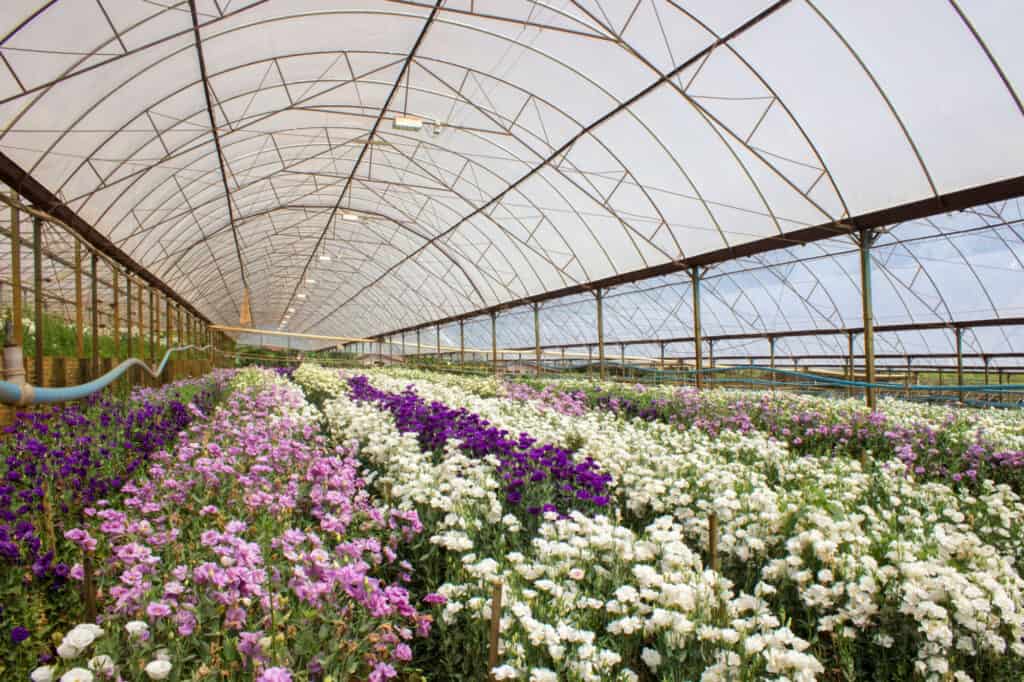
<point>158,610</point>
<point>19,634</point>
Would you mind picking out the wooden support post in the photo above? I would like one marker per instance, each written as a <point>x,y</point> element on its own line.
<point>128,310</point>
<point>37,294</point>
<point>849,360</point>
<point>959,332</point>
<point>152,325</point>
<point>536,337</point>
<point>494,341</point>
<point>697,343</point>
<point>115,285</point>
<point>95,315</point>
<point>16,292</point>
<point>79,304</point>
<point>492,653</point>
<point>600,332</point>
<point>865,241</point>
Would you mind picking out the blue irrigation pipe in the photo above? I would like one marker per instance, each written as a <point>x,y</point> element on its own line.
<point>25,394</point>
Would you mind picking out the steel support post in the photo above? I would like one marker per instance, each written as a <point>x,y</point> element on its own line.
<point>115,286</point>
<point>849,361</point>
<point>462,344</point>
<point>152,325</point>
<point>128,310</point>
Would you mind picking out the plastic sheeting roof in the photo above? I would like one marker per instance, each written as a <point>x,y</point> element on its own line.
<point>563,142</point>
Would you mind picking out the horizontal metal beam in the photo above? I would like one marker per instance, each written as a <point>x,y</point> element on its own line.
<point>953,201</point>
<point>842,331</point>
<point>15,177</point>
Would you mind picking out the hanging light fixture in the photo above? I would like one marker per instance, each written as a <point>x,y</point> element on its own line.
<point>404,122</point>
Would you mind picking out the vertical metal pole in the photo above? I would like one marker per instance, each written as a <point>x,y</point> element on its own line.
<point>462,344</point>
<point>79,312</point>
<point>600,332</point>
<point>494,340</point>
<point>563,357</point>
<point>985,359</point>
<point>959,361</point>
<point>771,360</point>
<point>909,359</point>
<point>622,359</point>
<point>37,294</point>
<point>867,238</point>
<point>142,325</point>
<point>16,292</point>
<point>437,343</point>
<point>95,315</point>
<point>418,345</point>
<point>117,313</point>
<point>661,366</point>
<point>590,359</point>
<point>697,343</point>
<point>711,353</point>
<point>536,337</point>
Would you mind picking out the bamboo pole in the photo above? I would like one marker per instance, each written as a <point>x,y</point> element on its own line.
<point>16,293</point>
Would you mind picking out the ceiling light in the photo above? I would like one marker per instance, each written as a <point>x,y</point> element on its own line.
<point>324,258</point>
<point>408,123</point>
<point>291,310</point>
<point>310,281</point>
<point>301,295</point>
<point>351,217</point>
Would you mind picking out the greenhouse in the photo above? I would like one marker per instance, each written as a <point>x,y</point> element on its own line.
<point>576,340</point>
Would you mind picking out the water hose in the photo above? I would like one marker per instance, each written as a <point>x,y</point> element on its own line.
<point>16,391</point>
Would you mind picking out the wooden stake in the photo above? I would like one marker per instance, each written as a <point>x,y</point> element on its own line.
<point>713,540</point>
<point>492,656</point>
<point>88,588</point>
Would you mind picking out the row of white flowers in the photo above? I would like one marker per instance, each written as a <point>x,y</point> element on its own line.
<point>912,569</point>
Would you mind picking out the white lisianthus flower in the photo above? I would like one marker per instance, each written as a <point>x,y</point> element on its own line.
<point>43,673</point>
<point>80,637</point>
<point>543,675</point>
<point>77,675</point>
<point>576,573</point>
<point>102,664</point>
<point>158,670</point>
<point>67,650</point>
<point>505,672</point>
<point>135,628</point>
<point>163,655</point>
<point>651,657</point>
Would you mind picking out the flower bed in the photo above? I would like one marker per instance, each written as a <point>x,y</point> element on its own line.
<point>247,550</point>
<point>55,462</point>
<point>881,576</point>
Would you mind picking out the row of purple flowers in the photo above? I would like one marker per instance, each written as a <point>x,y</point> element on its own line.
<point>538,477</point>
